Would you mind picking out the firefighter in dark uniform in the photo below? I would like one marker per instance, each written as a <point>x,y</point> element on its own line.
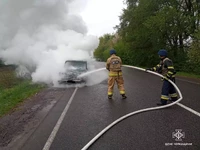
<point>113,65</point>
<point>166,68</point>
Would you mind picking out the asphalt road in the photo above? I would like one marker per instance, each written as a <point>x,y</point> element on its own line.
<point>90,112</point>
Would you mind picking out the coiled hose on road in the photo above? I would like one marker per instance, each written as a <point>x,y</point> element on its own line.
<point>135,112</point>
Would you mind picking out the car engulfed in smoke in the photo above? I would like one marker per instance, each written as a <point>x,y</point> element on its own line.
<point>73,68</point>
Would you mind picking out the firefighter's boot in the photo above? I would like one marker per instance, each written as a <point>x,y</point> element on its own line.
<point>124,96</point>
<point>109,96</point>
<point>162,102</point>
<point>173,99</point>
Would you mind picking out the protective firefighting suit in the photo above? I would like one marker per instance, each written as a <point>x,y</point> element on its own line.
<point>166,68</point>
<point>113,65</point>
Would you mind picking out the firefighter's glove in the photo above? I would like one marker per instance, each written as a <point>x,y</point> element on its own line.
<point>164,78</point>
<point>150,69</point>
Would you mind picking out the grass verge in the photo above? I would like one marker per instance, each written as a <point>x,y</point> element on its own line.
<point>11,97</point>
<point>181,74</point>
<point>184,74</point>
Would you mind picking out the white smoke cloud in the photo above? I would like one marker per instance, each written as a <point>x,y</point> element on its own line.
<point>43,34</point>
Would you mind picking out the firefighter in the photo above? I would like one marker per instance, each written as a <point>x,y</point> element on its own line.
<point>113,65</point>
<point>166,68</point>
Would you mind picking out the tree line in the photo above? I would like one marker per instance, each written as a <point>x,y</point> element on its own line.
<point>149,25</point>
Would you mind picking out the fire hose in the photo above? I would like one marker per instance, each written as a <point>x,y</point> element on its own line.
<point>135,112</point>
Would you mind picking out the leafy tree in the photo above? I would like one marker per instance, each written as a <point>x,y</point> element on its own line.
<point>147,26</point>
<point>105,44</point>
<point>194,55</point>
<point>1,63</point>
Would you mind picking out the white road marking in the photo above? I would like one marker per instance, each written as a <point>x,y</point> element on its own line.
<point>189,109</point>
<point>59,122</point>
<point>135,112</point>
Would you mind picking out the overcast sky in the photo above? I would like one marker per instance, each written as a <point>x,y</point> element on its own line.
<point>102,15</point>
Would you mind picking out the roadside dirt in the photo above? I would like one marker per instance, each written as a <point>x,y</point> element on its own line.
<point>27,116</point>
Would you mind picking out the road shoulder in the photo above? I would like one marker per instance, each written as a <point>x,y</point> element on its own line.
<point>19,123</point>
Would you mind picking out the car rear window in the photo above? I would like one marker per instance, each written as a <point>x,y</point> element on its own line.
<point>76,65</point>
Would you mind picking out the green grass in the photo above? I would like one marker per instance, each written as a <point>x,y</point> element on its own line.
<point>11,97</point>
<point>181,74</point>
<point>13,90</point>
<point>190,75</point>
<point>8,78</point>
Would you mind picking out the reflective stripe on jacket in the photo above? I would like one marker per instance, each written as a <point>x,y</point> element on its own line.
<point>109,66</point>
<point>166,68</point>
<point>115,74</point>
